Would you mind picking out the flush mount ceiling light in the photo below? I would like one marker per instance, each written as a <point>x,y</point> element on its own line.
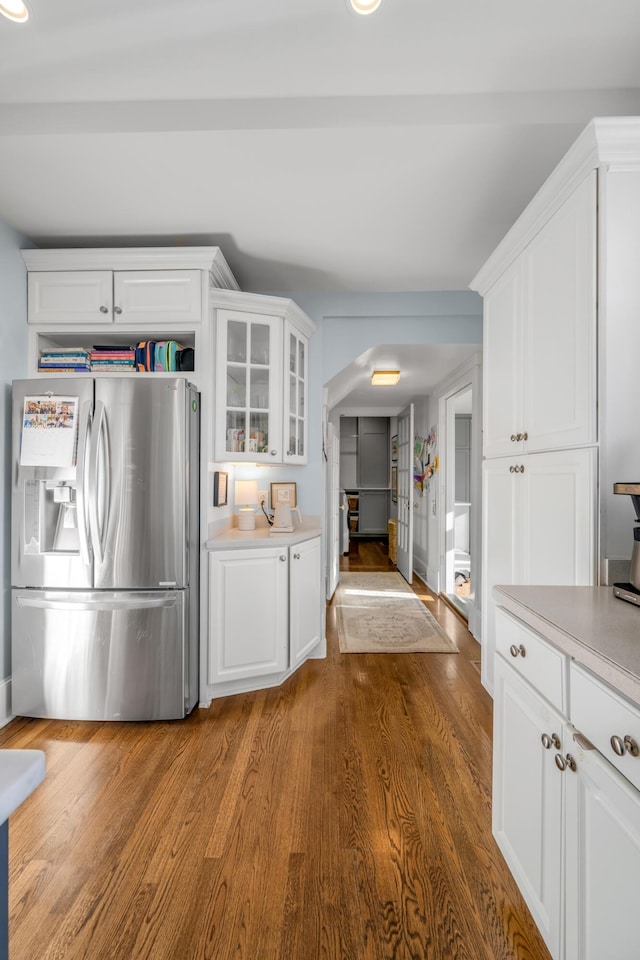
<point>14,10</point>
<point>364,6</point>
<point>385,378</point>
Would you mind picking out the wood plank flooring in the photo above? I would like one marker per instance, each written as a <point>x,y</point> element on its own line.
<point>343,816</point>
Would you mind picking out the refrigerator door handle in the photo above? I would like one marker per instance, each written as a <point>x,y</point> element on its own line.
<point>98,492</point>
<point>105,604</point>
<point>84,435</point>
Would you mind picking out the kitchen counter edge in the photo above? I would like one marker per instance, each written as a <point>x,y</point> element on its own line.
<point>589,624</point>
<point>261,537</point>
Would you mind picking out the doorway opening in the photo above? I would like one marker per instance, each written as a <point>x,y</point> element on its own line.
<point>459,586</point>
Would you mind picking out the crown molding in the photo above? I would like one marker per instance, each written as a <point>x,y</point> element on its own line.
<point>210,259</point>
<point>264,303</point>
<point>604,142</point>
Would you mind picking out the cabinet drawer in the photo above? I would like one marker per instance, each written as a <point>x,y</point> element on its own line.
<point>535,659</point>
<point>602,714</point>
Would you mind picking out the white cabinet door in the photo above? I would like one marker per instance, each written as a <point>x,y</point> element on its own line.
<point>602,860</point>
<point>296,378</point>
<point>155,296</point>
<point>248,613</point>
<point>305,599</point>
<point>557,517</point>
<point>527,797</point>
<point>248,411</point>
<point>499,545</point>
<point>559,332</point>
<point>61,297</point>
<point>539,527</point>
<point>502,364</point>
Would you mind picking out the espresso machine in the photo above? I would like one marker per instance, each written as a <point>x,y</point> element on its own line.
<point>631,591</point>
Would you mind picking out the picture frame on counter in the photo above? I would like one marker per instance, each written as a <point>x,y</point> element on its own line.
<point>220,488</point>
<point>284,493</point>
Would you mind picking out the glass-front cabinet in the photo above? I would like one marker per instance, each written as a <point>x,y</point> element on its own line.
<point>262,374</point>
<point>248,378</point>
<point>296,367</point>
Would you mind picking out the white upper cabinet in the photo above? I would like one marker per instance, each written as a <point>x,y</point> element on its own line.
<point>154,295</point>
<point>70,296</point>
<point>103,296</point>
<point>540,337</point>
<point>248,424</point>
<point>261,374</point>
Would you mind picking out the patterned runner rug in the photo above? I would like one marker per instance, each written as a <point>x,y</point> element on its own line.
<point>380,613</point>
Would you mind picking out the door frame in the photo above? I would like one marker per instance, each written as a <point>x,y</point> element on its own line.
<point>468,376</point>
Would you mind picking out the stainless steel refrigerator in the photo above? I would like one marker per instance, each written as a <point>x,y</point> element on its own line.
<point>105,548</point>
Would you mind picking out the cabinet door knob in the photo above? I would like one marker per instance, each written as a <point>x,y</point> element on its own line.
<point>274,453</point>
<point>513,438</point>
<point>296,556</point>
<point>512,469</point>
<point>104,309</point>
<point>622,745</point>
<point>117,310</point>
<point>564,763</point>
<point>525,435</point>
<point>518,651</point>
<point>549,741</point>
<point>282,558</point>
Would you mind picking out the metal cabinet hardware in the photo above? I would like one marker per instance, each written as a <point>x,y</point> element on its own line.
<point>282,559</point>
<point>516,469</point>
<point>622,745</point>
<point>549,740</point>
<point>562,763</point>
<point>117,310</point>
<point>296,556</point>
<point>582,741</point>
<point>104,309</point>
<point>518,651</point>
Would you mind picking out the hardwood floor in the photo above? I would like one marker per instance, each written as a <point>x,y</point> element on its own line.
<point>343,816</point>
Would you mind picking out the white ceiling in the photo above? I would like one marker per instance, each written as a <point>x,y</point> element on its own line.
<point>319,149</point>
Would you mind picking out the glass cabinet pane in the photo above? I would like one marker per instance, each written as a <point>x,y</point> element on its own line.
<point>236,386</point>
<point>259,432</point>
<point>292,352</point>
<point>260,333</point>
<point>301,359</point>
<point>259,388</point>
<point>293,387</point>
<point>236,431</point>
<point>237,341</point>
<point>293,436</point>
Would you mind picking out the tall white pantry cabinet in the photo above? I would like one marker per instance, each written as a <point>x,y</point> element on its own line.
<point>561,390</point>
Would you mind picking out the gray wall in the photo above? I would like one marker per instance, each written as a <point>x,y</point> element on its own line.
<point>13,364</point>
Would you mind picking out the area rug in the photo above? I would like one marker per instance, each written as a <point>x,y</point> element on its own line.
<point>380,613</point>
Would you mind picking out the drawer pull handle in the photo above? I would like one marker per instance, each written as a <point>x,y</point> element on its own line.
<point>519,651</point>
<point>564,763</point>
<point>550,740</point>
<point>622,745</point>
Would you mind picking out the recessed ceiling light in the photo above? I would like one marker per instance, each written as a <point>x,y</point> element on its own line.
<point>385,378</point>
<point>364,6</point>
<point>14,10</point>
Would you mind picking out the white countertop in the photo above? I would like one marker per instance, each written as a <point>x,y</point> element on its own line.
<point>262,537</point>
<point>20,773</point>
<point>588,623</point>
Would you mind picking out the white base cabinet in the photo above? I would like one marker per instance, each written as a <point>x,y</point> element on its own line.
<point>566,820</point>
<point>265,612</point>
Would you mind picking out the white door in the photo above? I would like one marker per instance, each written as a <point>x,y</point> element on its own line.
<point>70,296</point>
<point>602,819</point>
<point>157,295</point>
<point>334,518</point>
<point>559,337</point>
<point>499,531</point>
<point>527,797</point>
<point>502,353</point>
<point>305,599</point>
<point>405,493</point>
<point>248,613</point>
